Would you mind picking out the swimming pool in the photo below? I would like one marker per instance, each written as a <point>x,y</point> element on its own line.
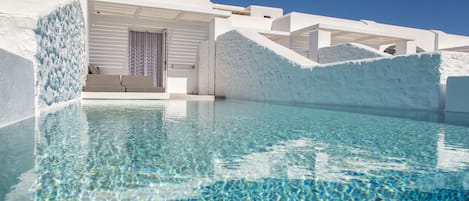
<point>234,150</point>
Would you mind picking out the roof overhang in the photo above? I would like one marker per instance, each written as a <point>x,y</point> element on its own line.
<point>232,9</point>
<point>274,35</point>
<point>464,49</point>
<point>157,9</point>
<point>368,37</point>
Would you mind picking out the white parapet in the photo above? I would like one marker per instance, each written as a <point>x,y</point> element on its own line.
<point>257,70</point>
<point>457,94</point>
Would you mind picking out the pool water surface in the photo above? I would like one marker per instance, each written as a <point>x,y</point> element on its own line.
<point>234,150</point>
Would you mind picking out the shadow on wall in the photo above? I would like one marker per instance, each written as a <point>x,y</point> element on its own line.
<point>61,55</point>
<point>348,52</point>
<point>17,88</point>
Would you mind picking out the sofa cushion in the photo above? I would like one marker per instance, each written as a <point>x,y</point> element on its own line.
<point>103,80</point>
<point>137,81</point>
<point>103,88</point>
<point>103,83</point>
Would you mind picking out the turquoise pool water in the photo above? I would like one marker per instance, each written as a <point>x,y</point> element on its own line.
<point>234,150</point>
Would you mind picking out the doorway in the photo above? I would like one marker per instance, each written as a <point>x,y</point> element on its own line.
<point>147,55</point>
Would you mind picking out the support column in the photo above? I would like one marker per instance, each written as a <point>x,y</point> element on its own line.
<point>318,39</point>
<point>406,47</point>
<point>218,26</point>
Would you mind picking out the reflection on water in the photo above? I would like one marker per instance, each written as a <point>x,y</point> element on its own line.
<point>16,158</point>
<point>236,151</point>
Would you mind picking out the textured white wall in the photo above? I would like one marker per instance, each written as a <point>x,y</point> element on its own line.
<point>17,21</point>
<point>61,55</point>
<point>256,72</point>
<point>347,52</point>
<point>453,64</point>
<point>16,35</point>
<point>17,88</point>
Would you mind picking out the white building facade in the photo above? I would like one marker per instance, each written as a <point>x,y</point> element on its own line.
<point>192,27</point>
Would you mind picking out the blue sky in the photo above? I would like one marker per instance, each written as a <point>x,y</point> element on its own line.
<point>451,16</point>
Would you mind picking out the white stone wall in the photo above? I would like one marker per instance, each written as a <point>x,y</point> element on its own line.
<point>347,52</point>
<point>256,72</point>
<point>453,64</point>
<point>61,55</point>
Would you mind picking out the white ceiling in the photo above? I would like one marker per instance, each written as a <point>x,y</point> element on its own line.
<point>103,8</point>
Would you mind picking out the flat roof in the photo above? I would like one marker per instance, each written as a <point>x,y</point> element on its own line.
<point>232,9</point>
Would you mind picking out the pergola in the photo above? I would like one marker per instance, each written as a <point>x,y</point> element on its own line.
<point>322,35</point>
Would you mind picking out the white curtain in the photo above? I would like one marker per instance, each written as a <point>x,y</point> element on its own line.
<point>146,55</point>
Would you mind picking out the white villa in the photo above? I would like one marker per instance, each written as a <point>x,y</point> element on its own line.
<point>190,30</point>
<point>152,49</point>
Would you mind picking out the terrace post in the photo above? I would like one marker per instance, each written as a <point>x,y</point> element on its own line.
<point>218,26</point>
<point>406,47</point>
<point>318,39</point>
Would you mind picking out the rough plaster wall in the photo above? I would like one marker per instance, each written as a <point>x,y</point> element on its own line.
<point>453,64</point>
<point>254,72</point>
<point>17,88</point>
<point>16,35</point>
<point>61,55</point>
<point>347,52</point>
